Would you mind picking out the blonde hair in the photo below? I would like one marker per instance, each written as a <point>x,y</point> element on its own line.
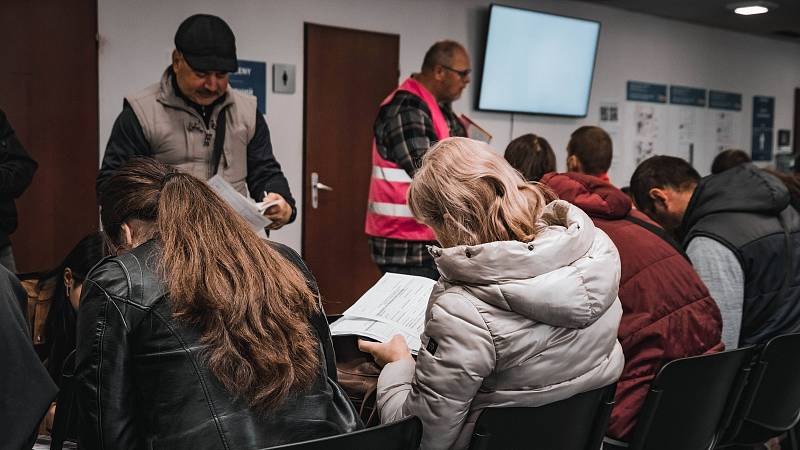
<point>470,195</point>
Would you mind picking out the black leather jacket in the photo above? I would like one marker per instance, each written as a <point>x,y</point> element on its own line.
<point>142,383</point>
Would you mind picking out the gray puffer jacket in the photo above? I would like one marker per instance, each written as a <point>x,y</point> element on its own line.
<point>511,324</point>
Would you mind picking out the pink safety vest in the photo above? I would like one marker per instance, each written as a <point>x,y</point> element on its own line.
<point>388,214</point>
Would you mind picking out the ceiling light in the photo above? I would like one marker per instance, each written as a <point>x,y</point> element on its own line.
<point>751,7</point>
<point>750,10</point>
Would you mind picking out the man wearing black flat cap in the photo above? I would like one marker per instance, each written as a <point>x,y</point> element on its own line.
<point>191,120</point>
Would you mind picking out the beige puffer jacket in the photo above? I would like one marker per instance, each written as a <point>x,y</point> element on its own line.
<point>511,324</point>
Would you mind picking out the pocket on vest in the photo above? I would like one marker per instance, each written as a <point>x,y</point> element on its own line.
<point>234,162</point>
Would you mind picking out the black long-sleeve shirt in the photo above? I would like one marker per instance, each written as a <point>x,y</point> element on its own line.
<point>264,173</point>
<point>16,173</point>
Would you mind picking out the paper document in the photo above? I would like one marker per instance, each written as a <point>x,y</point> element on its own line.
<point>373,329</point>
<point>396,304</point>
<point>475,131</point>
<point>263,206</point>
<point>43,442</point>
<point>247,208</point>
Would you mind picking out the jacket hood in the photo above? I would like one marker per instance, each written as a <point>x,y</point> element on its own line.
<point>567,276</point>
<point>591,194</point>
<point>744,188</point>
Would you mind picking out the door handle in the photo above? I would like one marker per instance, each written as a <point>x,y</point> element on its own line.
<point>317,186</point>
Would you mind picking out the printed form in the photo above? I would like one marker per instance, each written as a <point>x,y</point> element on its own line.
<point>396,304</point>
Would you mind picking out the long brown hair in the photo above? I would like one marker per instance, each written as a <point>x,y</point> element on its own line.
<point>251,304</point>
<point>470,195</point>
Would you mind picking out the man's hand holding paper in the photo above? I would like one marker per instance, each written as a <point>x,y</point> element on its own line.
<point>276,209</point>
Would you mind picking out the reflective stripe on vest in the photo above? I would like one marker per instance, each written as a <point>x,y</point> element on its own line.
<point>390,209</point>
<point>388,214</point>
<point>391,175</point>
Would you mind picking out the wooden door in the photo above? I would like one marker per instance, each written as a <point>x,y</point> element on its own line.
<point>796,127</point>
<point>48,89</point>
<point>347,75</point>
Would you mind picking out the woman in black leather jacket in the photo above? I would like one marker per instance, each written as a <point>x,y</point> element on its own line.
<point>198,334</point>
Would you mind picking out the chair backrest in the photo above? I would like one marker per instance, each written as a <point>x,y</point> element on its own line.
<point>401,435</point>
<point>771,401</point>
<point>691,400</point>
<point>576,423</point>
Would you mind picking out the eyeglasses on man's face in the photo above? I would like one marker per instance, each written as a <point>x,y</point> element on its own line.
<point>461,73</point>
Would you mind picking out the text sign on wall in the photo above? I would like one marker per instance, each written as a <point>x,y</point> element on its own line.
<point>639,91</point>
<point>730,101</point>
<point>684,95</point>
<point>251,78</point>
<point>763,122</point>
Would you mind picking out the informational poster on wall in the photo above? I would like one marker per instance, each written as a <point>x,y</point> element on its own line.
<point>610,121</point>
<point>724,119</point>
<point>687,122</point>
<point>251,78</point>
<point>763,124</point>
<point>647,119</point>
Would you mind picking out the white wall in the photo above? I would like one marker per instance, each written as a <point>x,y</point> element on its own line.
<point>136,41</point>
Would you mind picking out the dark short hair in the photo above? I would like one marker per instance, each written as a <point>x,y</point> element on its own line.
<point>440,53</point>
<point>660,172</point>
<point>593,148</point>
<point>729,159</point>
<point>531,155</point>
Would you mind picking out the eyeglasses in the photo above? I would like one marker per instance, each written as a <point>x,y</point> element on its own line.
<point>461,73</point>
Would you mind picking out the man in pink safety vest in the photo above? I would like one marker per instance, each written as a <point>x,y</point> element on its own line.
<point>411,119</point>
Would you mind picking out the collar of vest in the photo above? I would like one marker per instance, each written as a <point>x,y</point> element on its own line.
<point>168,97</point>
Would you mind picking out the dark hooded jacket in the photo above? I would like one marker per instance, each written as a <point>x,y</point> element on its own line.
<point>747,210</point>
<point>26,389</point>
<point>16,173</point>
<point>667,310</point>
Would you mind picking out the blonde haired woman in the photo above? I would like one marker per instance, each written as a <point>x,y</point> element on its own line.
<point>526,311</point>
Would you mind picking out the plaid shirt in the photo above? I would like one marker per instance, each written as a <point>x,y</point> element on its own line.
<point>403,133</point>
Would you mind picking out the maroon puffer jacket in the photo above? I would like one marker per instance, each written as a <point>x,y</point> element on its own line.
<point>667,310</point>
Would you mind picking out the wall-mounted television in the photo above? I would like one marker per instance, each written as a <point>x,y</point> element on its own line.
<point>537,63</point>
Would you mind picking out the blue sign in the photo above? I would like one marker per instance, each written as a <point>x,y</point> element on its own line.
<point>683,95</point>
<point>639,91</point>
<point>725,100</point>
<point>251,78</point>
<point>763,122</point>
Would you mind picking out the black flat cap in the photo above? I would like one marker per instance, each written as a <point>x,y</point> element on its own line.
<point>207,43</point>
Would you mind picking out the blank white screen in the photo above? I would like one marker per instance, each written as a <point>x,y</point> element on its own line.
<point>538,63</point>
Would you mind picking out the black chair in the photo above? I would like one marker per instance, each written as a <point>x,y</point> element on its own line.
<point>65,423</point>
<point>401,435</point>
<point>690,402</point>
<point>770,404</point>
<point>576,423</point>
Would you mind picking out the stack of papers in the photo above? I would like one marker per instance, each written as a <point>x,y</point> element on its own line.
<point>396,304</point>
<point>250,211</point>
<point>43,443</point>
